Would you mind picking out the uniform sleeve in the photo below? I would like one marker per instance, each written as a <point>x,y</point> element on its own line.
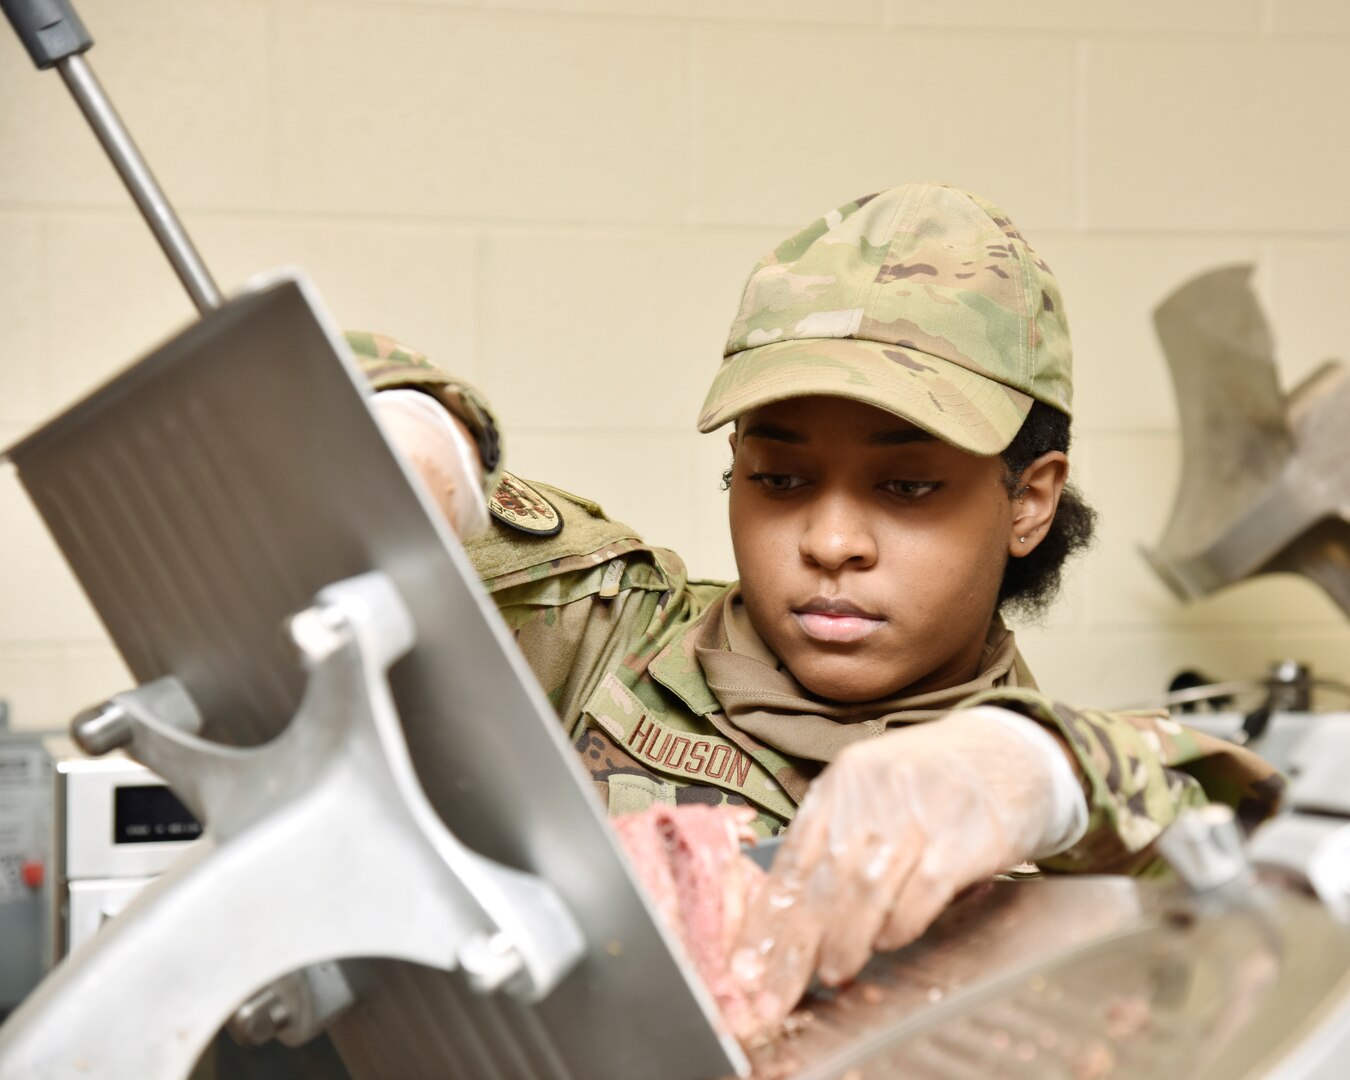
<point>1140,771</point>
<point>576,602</point>
<point>388,365</point>
<point>579,603</point>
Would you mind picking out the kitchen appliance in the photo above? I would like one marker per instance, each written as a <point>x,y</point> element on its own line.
<point>25,858</point>
<point>117,828</point>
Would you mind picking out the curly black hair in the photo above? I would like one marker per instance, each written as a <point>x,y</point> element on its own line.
<point>1031,582</point>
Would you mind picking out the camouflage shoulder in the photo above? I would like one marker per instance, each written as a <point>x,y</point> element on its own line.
<point>387,363</point>
<point>506,555</point>
<point>1132,792</point>
<point>1140,770</point>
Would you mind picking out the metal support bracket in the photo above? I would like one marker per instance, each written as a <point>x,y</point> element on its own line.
<point>319,845</point>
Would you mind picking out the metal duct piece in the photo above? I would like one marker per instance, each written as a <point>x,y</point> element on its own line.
<point>1265,480</point>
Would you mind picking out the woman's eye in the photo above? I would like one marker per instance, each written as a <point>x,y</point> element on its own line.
<point>912,489</point>
<point>777,482</point>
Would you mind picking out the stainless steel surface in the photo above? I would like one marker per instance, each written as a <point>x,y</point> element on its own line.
<point>1082,979</point>
<point>1277,744</point>
<point>1310,843</point>
<point>140,182</point>
<point>1205,850</point>
<point>764,852</point>
<point>261,1018</point>
<point>1310,850</point>
<point>1319,780</point>
<point>311,999</point>
<point>1291,686</point>
<point>200,516</point>
<point>1195,694</point>
<point>1265,483</point>
<point>1221,997</point>
<point>994,932</point>
<point>100,728</point>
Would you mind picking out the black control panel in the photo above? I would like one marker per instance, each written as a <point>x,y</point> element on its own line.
<point>151,814</point>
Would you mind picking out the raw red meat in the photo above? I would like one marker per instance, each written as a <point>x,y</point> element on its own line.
<point>689,858</point>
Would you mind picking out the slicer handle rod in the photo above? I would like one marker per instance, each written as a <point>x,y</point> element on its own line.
<point>54,36</point>
<point>49,29</point>
<point>140,182</point>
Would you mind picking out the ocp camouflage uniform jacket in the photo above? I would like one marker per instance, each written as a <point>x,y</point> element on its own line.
<point>607,622</point>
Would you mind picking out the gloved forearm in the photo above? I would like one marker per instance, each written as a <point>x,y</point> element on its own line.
<point>388,364</point>
<point>1066,817</point>
<point>1140,771</point>
<point>888,834</point>
<point>440,452</point>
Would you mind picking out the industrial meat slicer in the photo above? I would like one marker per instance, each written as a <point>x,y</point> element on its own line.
<point>401,851</point>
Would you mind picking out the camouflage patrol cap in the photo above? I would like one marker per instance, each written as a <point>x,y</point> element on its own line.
<point>923,300</point>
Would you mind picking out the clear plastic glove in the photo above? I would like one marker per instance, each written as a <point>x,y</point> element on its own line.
<point>888,834</point>
<point>442,453</point>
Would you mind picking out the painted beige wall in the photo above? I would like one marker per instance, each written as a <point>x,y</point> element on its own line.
<point>561,199</point>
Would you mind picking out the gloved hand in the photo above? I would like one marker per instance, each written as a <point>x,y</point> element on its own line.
<point>442,453</point>
<point>888,834</point>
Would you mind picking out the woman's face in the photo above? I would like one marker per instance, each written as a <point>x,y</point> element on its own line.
<point>870,552</point>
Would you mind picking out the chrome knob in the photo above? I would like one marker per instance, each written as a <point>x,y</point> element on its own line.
<point>101,728</point>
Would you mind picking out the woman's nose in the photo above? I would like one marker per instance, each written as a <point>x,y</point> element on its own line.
<point>837,532</point>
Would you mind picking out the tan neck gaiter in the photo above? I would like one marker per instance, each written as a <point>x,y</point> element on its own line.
<point>766,702</point>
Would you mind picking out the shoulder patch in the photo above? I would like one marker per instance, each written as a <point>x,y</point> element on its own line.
<point>517,504</point>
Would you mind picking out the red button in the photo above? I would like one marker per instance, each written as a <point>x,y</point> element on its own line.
<point>32,873</point>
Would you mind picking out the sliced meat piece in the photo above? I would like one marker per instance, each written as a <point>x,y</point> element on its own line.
<point>645,841</point>
<point>689,858</point>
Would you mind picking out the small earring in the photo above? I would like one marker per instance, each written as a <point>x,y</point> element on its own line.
<point>1021,539</point>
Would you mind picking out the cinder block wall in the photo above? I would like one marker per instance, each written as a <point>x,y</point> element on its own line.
<point>561,199</point>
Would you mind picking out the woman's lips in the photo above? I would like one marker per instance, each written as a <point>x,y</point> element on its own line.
<point>836,622</point>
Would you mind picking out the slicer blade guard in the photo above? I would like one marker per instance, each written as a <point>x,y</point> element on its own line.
<point>216,488</point>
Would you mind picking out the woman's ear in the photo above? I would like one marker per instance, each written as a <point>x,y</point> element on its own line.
<point>1035,500</point>
<point>726,474</point>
